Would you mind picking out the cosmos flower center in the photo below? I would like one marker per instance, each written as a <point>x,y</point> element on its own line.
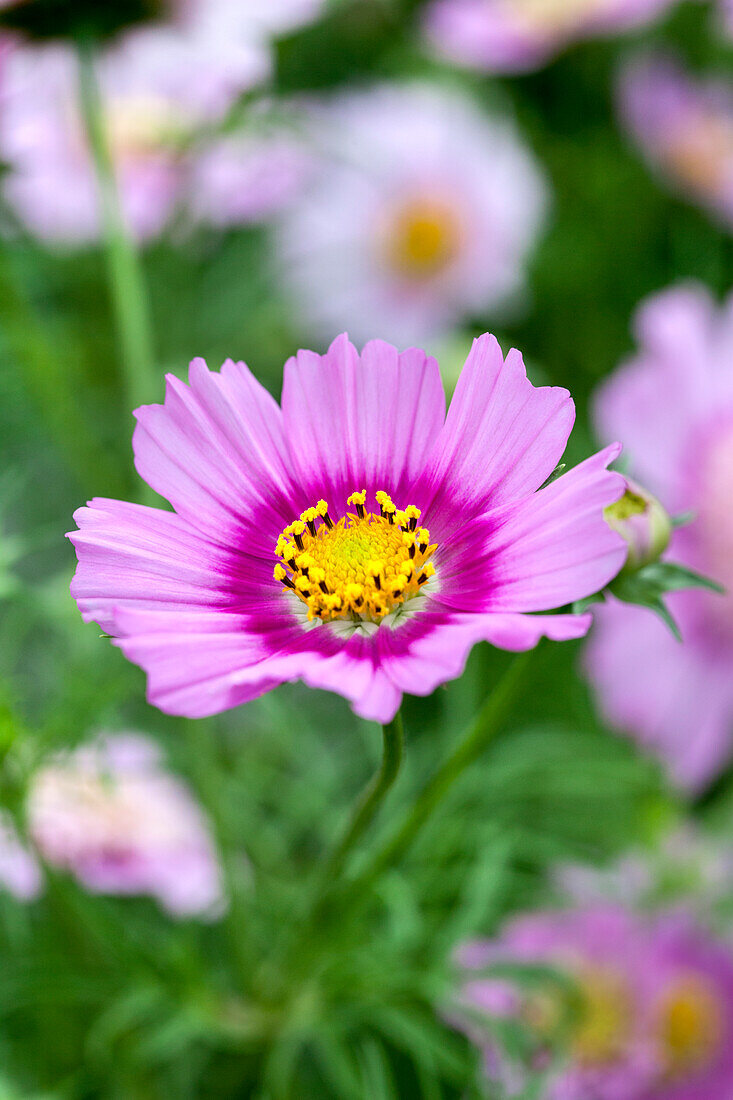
<point>362,567</point>
<point>422,238</point>
<point>139,124</point>
<point>553,15</point>
<point>690,1026</point>
<point>603,1023</point>
<point>700,153</point>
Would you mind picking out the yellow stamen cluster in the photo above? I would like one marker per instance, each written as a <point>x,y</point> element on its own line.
<point>691,1026</point>
<point>603,1024</point>
<point>361,567</point>
<point>422,238</point>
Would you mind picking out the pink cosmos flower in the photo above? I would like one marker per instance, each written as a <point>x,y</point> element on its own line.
<point>684,128</point>
<point>399,537</point>
<point>421,212</point>
<point>654,1013</point>
<point>516,36</point>
<point>673,404</point>
<point>20,874</point>
<point>110,814</point>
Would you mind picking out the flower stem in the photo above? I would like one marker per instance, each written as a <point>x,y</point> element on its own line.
<point>127,286</point>
<point>299,949</point>
<point>480,733</point>
<point>370,800</point>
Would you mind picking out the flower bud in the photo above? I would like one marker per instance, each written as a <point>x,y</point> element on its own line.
<point>642,522</point>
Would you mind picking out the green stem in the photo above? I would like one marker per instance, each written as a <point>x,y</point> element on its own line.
<point>298,948</point>
<point>369,801</point>
<point>484,728</point>
<point>127,286</point>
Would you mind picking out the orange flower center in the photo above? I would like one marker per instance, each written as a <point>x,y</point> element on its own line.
<point>690,1026</point>
<point>422,238</point>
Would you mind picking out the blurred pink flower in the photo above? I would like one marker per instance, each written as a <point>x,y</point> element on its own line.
<point>673,406</point>
<point>654,1012</point>
<point>421,212</point>
<point>727,14</point>
<point>19,871</point>
<point>240,18</point>
<point>686,862</point>
<point>515,36</point>
<point>684,128</point>
<point>154,111</point>
<point>363,600</point>
<point>243,177</point>
<point>111,815</point>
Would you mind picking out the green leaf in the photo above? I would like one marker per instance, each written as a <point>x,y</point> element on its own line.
<point>630,592</point>
<point>674,578</point>
<point>376,1071</point>
<point>554,475</point>
<point>649,585</point>
<point>579,606</point>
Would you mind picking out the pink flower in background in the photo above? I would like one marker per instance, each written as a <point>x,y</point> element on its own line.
<point>356,538</point>
<point>20,874</point>
<point>684,128</point>
<point>110,814</point>
<point>238,18</point>
<point>515,36</point>
<point>242,177</point>
<point>727,14</point>
<point>652,1016</point>
<point>686,862</point>
<point>422,211</point>
<point>154,111</point>
<point>673,406</point>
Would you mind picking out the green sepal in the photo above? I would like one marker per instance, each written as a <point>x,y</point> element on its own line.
<point>649,585</point>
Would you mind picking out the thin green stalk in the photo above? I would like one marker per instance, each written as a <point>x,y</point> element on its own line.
<point>485,727</point>
<point>369,801</point>
<point>363,814</point>
<point>127,285</point>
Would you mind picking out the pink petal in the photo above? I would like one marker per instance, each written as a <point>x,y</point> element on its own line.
<point>652,401</point>
<point>199,663</point>
<point>434,648</point>
<point>502,438</point>
<point>361,421</point>
<point>555,546</point>
<point>673,698</point>
<point>217,451</point>
<point>134,556</point>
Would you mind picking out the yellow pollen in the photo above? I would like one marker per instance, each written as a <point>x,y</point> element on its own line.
<point>690,1026</point>
<point>360,568</point>
<point>552,16</point>
<point>422,238</point>
<point>699,154</point>
<point>603,1026</point>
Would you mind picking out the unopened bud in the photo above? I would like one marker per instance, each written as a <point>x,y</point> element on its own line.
<point>642,522</point>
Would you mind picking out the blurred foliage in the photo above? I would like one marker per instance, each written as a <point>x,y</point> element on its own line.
<point>71,18</point>
<point>105,997</point>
